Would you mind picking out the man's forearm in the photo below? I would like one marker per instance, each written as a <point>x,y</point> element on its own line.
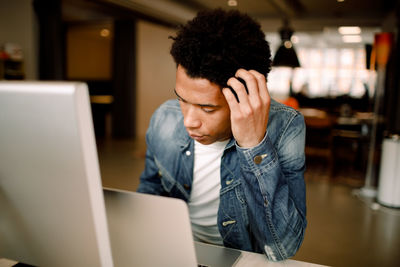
<point>276,213</point>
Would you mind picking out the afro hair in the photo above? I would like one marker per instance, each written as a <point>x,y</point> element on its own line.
<point>216,43</point>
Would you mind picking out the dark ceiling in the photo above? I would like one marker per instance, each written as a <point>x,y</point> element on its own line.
<point>304,15</point>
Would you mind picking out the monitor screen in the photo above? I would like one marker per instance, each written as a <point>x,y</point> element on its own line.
<point>52,210</point>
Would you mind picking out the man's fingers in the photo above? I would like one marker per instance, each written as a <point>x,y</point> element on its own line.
<point>240,89</point>
<point>231,99</point>
<point>249,79</point>
<point>262,86</point>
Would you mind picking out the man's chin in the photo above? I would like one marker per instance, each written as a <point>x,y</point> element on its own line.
<point>202,140</point>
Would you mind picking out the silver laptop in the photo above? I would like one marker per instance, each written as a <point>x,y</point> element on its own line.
<point>52,210</point>
<point>147,230</point>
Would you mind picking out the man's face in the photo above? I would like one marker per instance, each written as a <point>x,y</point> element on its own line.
<point>205,110</point>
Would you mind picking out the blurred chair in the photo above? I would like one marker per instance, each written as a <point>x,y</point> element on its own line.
<point>319,137</point>
<point>291,102</point>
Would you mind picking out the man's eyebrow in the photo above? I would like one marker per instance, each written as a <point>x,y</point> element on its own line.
<point>201,105</point>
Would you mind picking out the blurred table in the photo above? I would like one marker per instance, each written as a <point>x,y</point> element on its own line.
<point>339,140</point>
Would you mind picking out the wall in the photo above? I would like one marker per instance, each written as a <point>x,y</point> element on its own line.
<point>18,25</point>
<point>89,52</point>
<point>155,66</point>
<point>155,71</point>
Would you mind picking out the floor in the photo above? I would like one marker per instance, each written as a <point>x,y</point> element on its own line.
<point>344,229</point>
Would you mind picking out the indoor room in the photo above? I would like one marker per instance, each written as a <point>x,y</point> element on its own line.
<point>335,62</point>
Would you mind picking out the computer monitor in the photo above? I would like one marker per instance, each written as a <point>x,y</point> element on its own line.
<point>52,210</point>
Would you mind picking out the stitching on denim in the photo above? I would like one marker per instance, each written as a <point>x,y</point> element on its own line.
<point>282,133</point>
<point>230,187</point>
<point>168,178</point>
<point>273,233</point>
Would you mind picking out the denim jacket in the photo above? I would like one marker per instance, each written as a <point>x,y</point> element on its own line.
<point>262,197</point>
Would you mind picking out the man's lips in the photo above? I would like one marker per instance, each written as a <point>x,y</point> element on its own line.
<point>196,136</point>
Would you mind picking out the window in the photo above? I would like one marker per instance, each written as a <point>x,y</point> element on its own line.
<point>324,72</point>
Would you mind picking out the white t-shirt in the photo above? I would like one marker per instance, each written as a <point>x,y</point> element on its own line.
<point>204,198</point>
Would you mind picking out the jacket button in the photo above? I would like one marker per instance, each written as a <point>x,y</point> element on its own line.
<point>226,223</point>
<point>188,153</point>
<point>257,159</point>
<point>186,186</point>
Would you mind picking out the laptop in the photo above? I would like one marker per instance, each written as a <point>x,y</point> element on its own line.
<point>148,230</point>
<point>52,210</point>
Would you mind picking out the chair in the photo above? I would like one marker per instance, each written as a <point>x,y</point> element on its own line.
<point>319,137</point>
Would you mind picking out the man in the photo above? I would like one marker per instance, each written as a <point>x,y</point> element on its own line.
<point>233,154</point>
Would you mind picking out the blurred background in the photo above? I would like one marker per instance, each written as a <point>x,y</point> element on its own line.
<point>336,61</point>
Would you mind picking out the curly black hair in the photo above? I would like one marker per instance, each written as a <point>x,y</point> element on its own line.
<point>216,43</point>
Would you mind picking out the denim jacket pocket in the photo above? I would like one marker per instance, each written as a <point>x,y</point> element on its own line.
<point>170,185</point>
<point>166,180</point>
<point>295,223</point>
<point>232,215</point>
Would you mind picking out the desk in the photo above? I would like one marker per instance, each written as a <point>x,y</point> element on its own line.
<point>133,214</point>
<point>137,225</point>
<point>248,259</point>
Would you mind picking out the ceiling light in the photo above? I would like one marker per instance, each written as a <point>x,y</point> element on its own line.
<point>288,44</point>
<point>340,1</point>
<point>349,30</point>
<point>232,3</point>
<point>104,32</point>
<point>294,39</point>
<point>351,38</point>
<point>286,56</point>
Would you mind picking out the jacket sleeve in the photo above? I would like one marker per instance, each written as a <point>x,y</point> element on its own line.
<point>150,179</point>
<point>273,178</point>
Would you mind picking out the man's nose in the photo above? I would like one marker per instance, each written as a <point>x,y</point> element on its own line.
<point>191,118</point>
